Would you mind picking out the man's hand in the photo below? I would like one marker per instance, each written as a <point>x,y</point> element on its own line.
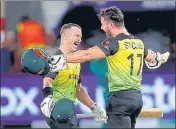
<point>47,106</point>
<point>159,59</point>
<point>164,57</point>
<point>58,63</point>
<point>100,113</point>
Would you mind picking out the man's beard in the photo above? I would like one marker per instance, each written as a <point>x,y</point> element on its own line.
<point>108,34</point>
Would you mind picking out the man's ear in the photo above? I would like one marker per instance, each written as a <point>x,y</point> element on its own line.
<point>113,25</point>
<point>65,34</point>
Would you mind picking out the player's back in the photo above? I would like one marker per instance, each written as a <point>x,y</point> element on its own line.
<point>125,66</point>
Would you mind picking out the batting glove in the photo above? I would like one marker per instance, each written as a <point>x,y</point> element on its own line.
<point>58,63</point>
<point>159,59</point>
<point>100,113</point>
<point>47,106</point>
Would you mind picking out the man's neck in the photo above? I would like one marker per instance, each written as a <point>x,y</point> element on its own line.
<point>64,47</point>
<point>120,30</point>
<point>64,50</point>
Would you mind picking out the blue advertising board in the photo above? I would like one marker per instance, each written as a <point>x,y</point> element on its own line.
<point>21,95</point>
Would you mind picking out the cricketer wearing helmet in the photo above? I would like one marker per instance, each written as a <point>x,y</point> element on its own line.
<point>60,89</point>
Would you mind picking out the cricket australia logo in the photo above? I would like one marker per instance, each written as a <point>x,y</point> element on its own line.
<point>105,44</point>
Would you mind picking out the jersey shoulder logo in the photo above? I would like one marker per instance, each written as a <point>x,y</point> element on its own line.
<point>105,43</point>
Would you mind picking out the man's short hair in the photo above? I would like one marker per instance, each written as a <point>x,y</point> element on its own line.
<point>112,13</point>
<point>24,18</point>
<point>68,26</point>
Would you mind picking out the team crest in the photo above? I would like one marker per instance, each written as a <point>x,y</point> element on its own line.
<point>105,44</point>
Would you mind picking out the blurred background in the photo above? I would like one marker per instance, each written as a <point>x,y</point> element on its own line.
<point>153,21</point>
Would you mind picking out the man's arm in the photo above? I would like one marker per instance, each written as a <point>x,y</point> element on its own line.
<point>48,102</point>
<point>83,97</point>
<point>154,60</point>
<point>47,82</point>
<point>47,87</point>
<point>150,56</point>
<point>81,56</point>
<point>107,47</point>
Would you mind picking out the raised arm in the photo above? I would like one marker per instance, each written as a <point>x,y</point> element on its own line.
<point>154,60</point>
<point>81,56</point>
<point>106,48</point>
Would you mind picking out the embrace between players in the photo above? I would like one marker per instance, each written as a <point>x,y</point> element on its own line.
<point>125,55</point>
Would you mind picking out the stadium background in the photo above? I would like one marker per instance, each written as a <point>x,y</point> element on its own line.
<point>21,94</point>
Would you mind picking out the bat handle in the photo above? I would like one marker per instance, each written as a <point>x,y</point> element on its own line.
<point>86,115</point>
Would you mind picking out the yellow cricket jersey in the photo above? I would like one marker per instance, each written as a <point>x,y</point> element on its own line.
<point>66,81</point>
<point>125,54</point>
